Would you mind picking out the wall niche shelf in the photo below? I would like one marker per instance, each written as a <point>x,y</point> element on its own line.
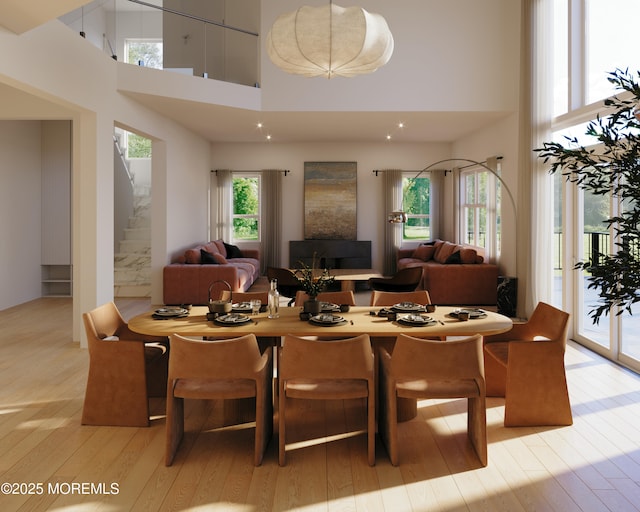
<point>56,281</point>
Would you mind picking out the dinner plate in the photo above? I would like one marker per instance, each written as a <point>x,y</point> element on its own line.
<point>407,307</point>
<point>413,319</point>
<point>326,319</point>
<point>473,312</point>
<point>328,306</point>
<point>244,307</point>
<point>170,312</point>
<point>232,319</point>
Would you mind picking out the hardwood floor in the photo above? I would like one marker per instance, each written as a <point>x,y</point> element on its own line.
<point>593,465</point>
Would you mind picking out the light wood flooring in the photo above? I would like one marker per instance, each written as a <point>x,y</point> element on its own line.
<point>593,465</point>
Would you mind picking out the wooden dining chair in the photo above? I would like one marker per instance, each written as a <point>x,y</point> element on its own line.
<point>383,298</point>
<point>323,370</point>
<point>526,366</point>
<point>125,369</point>
<point>223,369</point>
<point>404,280</point>
<point>421,369</point>
<point>341,297</point>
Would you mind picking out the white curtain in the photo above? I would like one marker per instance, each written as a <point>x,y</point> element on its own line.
<point>271,206</point>
<point>393,232</point>
<point>224,228</point>
<point>436,197</point>
<point>535,201</point>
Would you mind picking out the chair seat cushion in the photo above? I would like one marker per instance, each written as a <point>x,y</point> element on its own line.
<point>212,388</point>
<point>326,389</point>
<point>421,388</point>
<point>499,350</point>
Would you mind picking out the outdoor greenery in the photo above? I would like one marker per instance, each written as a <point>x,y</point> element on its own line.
<point>138,146</point>
<point>149,53</point>
<point>415,198</point>
<point>246,202</point>
<point>609,169</point>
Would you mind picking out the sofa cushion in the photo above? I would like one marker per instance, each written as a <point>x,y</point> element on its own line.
<point>233,251</point>
<point>206,258</point>
<point>193,256</point>
<point>221,248</point>
<point>444,250</point>
<point>454,257</point>
<point>468,255</point>
<point>424,252</point>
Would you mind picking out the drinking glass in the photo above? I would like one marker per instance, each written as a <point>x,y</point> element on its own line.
<point>255,306</point>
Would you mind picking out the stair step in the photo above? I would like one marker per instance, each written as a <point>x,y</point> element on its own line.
<point>137,234</point>
<point>132,290</point>
<point>131,276</point>
<point>135,247</point>
<point>132,260</point>
<point>139,222</point>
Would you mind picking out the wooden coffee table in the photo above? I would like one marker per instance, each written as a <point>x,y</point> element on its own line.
<point>348,276</point>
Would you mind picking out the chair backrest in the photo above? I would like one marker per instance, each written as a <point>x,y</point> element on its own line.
<point>103,321</point>
<point>220,359</point>
<point>548,323</point>
<point>244,296</point>
<point>415,358</point>
<point>288,283</point>
<point>409,275</point>
<point>380,298</point>
<point>350,358</point>
<point>341,297</point>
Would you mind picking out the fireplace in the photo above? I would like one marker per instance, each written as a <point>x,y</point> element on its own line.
<point>330,253</point>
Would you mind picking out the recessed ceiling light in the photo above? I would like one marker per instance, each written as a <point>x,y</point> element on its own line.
<point>268,137</point>
<point>388,136</point>
<point>401,125</point>
<point>259,125</point>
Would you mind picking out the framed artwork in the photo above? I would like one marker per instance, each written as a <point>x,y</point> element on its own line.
<point>330,195</point>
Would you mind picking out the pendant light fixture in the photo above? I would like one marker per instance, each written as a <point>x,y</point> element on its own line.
<point>329,41</point>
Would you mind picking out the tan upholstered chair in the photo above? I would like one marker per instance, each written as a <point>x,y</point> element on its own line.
<point>420,369</point>
<point>341,297</point>
<point>382,298</point>
<point>404,280</point>
<point>224,369</point>
<point>125,369</point>
<point>526,366</point>
<point>323,370</point>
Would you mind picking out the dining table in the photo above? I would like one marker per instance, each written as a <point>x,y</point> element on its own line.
<point>382,324</point>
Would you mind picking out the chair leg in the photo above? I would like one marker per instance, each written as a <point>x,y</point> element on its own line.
<point>495,375</point>
<point>264,422</point>
<point>371,428</point>
<point>537,393</point>
<point>281,427</point>
<point>174,428</point>
<point>477,426</point>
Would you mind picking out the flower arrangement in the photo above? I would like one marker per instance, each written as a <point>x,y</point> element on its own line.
<point>311,282</point>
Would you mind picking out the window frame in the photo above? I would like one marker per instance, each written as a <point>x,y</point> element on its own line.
<point>426,214</point>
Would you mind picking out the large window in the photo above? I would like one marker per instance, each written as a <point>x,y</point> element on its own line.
<point>479,202</point>
<point>246,208</point>
<point>144,52</point>
<point>416,194</point>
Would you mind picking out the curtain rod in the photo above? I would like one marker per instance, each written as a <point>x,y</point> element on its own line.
<point>376,171</point>
<point>283,171</point>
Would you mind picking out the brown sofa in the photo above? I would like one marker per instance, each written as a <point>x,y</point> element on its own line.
<point>453,274</point>
<point>187,280</point>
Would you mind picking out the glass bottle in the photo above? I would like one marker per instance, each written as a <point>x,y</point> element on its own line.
<point>274,299</point>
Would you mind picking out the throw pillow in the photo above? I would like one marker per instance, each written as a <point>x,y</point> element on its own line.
<point>424,252</point>
<point>192,256</point>
<point>454,257</point>
<point>207,258</point>
<point>468,255</point>
<point>233,251</point>
<point>444,250</point>
<point>220,259</point>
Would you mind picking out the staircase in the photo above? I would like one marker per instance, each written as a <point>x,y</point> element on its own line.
<point>132,263</point>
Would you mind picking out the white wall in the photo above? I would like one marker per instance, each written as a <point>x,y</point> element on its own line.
<point>20,174</point>
<point>371,216</point>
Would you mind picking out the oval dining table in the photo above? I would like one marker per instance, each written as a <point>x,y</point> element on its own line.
<point>358,320</point>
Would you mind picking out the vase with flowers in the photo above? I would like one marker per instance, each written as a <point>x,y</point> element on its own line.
<point>313,282</point>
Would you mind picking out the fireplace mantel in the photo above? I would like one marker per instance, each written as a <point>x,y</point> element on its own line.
<point>330,253</point>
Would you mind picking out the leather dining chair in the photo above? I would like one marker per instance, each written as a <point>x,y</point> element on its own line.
<point>404,280</point>
<point>422,369</point>
<point>125,369</point>
<point>223,369</point>
<point>383,298</point>
<point>341,297</point>
<point>526,366</point>
<point>323,370</point>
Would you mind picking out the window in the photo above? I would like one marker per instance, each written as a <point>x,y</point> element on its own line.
<point>246,208</point>
<point>416,202</point>
<point>144,52</point>
<point>480,204</point>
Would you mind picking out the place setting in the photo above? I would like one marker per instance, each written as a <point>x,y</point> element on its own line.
<point>468,313</point>
<point>168,312</point>
<point>326,319</point>
<point>231,319</point>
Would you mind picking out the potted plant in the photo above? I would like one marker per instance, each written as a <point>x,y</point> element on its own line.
<point>611,168</point>
<point>313,283</point>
